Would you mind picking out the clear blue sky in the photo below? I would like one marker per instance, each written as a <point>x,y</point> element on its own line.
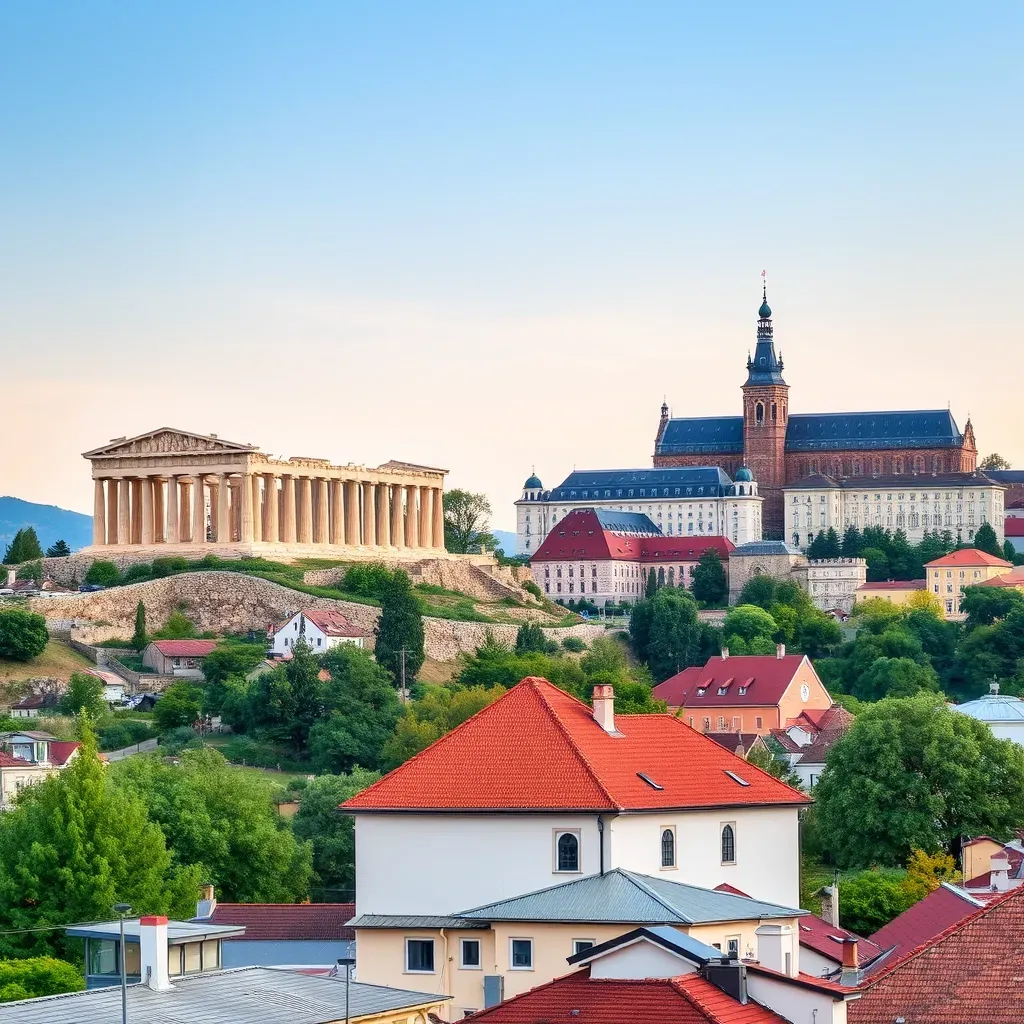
<point>491,236</point>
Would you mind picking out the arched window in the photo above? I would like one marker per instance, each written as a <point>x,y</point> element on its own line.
<point>668,848</point>
<point>897,464</point>
<point>918,463</point>
<point>661,576</point>
<point>775,412</point>
<point>568,852</point>
<point>938,464</point>
<point>876,467</point>
<point>858,467</point>
<point>728,845</point>
<point>759,413</point>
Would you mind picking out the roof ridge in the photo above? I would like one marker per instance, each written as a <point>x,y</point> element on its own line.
<point>583,879</point>
<point>644,887</point>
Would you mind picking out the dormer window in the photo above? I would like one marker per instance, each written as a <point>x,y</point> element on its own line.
<point>723,690</point>
<point>701,690</point>
<point>742,691</point>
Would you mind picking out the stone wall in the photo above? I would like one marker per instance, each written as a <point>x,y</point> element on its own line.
<point>445,639</point>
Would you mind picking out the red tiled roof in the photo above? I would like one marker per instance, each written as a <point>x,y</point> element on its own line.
<point>1013,578</point>
<point>10,761</point>
<point>733,740</point>
<point>577,998</point>
<point>332,623</point>
<point>927,918</point>
<point>60,751</point>
<point>1013,526</point>
<point>537,748</point>
<point>185,648</point>
<point>765,677</point>
<point>970,973</point>
<point>817,934</point>
<point>984,881</point>
<point>294,922</point>
<point>824,719</point>
<point>968,556</point>
<point>894,585</point>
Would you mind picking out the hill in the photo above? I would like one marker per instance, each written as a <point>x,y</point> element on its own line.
<point>506,541</point>
<point>51,523</point>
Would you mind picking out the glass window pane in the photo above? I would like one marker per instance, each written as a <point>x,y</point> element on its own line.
<point>193,953</point>
<point>103,957</point>
<point>522,953</point>
<point>470,952</point>
<point>568,852</point>
<point>211,955</point>
<point>419,954</point>
<point>174,955</point>
<point>133,958</point>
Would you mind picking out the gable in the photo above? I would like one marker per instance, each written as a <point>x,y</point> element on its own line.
<point>166,441</point>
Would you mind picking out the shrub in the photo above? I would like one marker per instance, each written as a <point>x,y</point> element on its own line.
<point>531,588</point>
<point>179,739</point>
<point>103,574</point>
<point>124,734</point>
<point>180,705</point>
<point>574,644</point>
<point>137,573</point>
<point>260,754</point>
<point>23,635</point>
<point>372,580</point>
<point>177,627</point>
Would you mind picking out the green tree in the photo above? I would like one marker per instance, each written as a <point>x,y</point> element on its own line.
<point>179,705</point>
<point>774,762</point>
<point>984,605</point>
<point>872,899</point>
<point>710,584</point>
<point>31,571</point>
<point>331,834</point>
<point>985,540</point>
<point>37,976</point>
<point>24,548</point>
<point>84,693</point>
<point>758,590</point>
<point>605,655</point>
<point>825,545</point>
<point>59,549</point>
<point>229,660</point>
<point>748,629</point>
<point>466,517</point>
<point>994,461</point>
<point>675,633</point>
<point>817,634</point>
<point>531,638</point>
<point>913,774</point>
<point>411,735</point>
<point>139,638</point>
<point>103,574</point>
<point>74,846</point>
<point>399,628</point>
<point>1009,552</point>
<point>652,585</point>
<point>224,819</point>
<point>878,564</point>
<point>23,635</point>
<point>177,627</point>
<point>852,542</point>
<point>895,677</point>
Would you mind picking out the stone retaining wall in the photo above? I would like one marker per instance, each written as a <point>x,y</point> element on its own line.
<point>445,639</point>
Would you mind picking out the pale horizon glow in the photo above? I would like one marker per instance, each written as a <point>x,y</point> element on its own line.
<point>494,239</point>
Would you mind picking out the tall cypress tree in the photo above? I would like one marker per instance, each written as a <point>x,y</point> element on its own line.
<point>399,627</point>
<point>24,548</point>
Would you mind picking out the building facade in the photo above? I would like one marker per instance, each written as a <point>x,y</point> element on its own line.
<point>319,629</point>
<point>173,492</point>
<point>955,502</point>
<point>780,448</point>
<point>694,502</point>
<point>832,583</point>
<point>947,577</point>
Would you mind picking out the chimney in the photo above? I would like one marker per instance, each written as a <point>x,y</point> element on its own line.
<point>729,975</point>
<point>776,949</point>
<point>153,953</point>
<point>12,576</point>
<point>999,872</point>
<point>830,905</point>
<point>207,902</point>
<point>725,653</point>
<point>780,651</point>
<point>852,974</point>
<point>993,688</point>
<point>604,707</point>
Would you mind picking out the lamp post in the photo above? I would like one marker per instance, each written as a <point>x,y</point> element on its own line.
<point>121,909</point>
<point>348,963</point>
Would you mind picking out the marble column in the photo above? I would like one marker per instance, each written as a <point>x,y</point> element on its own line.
<point>383,520</point>
<point>246,529</point>
<point>171,535</point>
<point>124,511</point>
<point>397,527</point>
<point>412,533</point>
<point>99,514</point>
<point>159,514</point>
<point>337,533</point>
<point>305,510</point>
<point>146,508</point>
<point>184,509</point>
<point>136,514</point>
<point>438,510</point>
<point>352,512</point>
<point>198,510</point>
<point>369,515</point>
<point>425,525</point>
<point>271,529</point>
<point>288,508</point>
<point>223,509</point>
<point>321,517</point>
<point>257,510</point>
<point>112,487</point>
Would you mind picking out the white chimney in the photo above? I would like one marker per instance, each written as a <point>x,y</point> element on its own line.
<point>999,872</point>
<point>12,576</point>
<point>776,949</point>
<point>780,651</point>
<point>830,905</point>
<point>604,707</point>
<point>153,952</point>
<point>725,653</point>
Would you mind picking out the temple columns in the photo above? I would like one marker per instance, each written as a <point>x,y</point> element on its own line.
<point>146,509</point>
<point>305,510</point>
<point>383,522</point>
<point>321,533</point>
<point>198,511</point>
<point>288,508</point>
<point>223,509</point>
<point>112,487</point>
<point>438,511</point>
<point>397,526</point>
<point>184,510</point>
<point>246,528</point>
<point>171,535</point>
<point>99,513</point>
<point>159,515</point>
<point>257,511</point>
<point>425,493</point>
<point>352,513</point>
<point>369,515</point>
<point>136,511</point>
<point>337,531</point>
<point>271,531</point>
<point>124,508</point>
<point>412,534</point>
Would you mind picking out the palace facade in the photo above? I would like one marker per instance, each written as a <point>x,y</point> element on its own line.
<point>780,448</point>
<point>174,492</point>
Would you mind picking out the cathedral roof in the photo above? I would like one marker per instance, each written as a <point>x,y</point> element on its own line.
<point>927,428</point>
<point>698,434</point>
<point>668,482</point>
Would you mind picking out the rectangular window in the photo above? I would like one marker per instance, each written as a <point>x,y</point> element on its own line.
<point>732,945</point>
<point>174,960</point>
<point>193,957</point>
<point>211,955</point>
<point>581,945</point>
<point>521,954</point>
<point>469,954</point>
<point>419,956</point>
<point>759,722</point>
<point>103,957</point>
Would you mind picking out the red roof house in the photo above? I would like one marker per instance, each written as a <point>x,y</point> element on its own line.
<point>177,657</point>
<point>288,922</point>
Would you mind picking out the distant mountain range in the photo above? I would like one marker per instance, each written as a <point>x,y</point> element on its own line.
<point>52,524</point>
<point>506,540</point>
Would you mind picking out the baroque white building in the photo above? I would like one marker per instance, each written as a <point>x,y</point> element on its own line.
<point>688,501</point>
<point>957,502</point>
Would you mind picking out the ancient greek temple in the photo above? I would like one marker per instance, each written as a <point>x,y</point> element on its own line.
<point>170,489</point>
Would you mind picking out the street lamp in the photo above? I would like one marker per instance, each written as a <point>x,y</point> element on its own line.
<point>121,909</point>
<point>348,963</point>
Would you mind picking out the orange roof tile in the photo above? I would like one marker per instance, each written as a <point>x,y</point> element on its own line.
<point>968,556</point>
<point>538,748</point>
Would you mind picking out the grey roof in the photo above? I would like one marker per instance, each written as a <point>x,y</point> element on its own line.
<point>412,921</point>
<point>692,949</point>
<point>648,482</point>
<point>249,995</point>
<point>177,931</point>
<point>763,547</point>
<point>635,523</point>
<point>698,434</point>
<point>622,897</point>
<point>1006,476</point>
<point>922,428</point>
<point>993,707</point>
<point>904,481</point>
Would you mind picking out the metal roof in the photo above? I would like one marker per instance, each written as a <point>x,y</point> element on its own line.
<point>249,995</point>
<point>177,931</point>
<point>627,522</point>
<point>622,897</point>
<point>764,547</point>
<point>648,482</point>
<point>412,921</point>
<point>903,482</point>
<point>993,707</point>
<point>692,949</point>
<point>697,434</point>
<point>925,428</point>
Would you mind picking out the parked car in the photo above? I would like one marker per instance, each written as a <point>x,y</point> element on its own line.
<point>89,588</point>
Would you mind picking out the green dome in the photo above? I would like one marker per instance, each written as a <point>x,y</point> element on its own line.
<point>532,483</point>
<point>743,475</point>
<point>765,311</point>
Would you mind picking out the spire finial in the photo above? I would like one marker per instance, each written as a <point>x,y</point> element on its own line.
<point>765,312</point>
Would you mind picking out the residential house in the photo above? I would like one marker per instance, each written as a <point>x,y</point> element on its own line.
<point>897,592</point>
<point>504,948</point>
<point>29,757</point>
<point>177,657</point>
<point>968,973</point>
<point>311,936</point>
<point>34,705</point>
<point>660,974</point>
<point>745,693</point>
<point>1003,714</point>
<point>1013,579</point>
<point>172,981</point>
<point>320,629</point>
<point>990,866</point>
<point>806,740</point>
<point>948,576</point>
<point>825,946</point>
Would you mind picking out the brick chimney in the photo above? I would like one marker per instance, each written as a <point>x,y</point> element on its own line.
<point>852,974</point>
<point>604,707</point>
<point>830,905</point>
<point>725,653</point>
<point>153,952</point>
<point>780,651</point>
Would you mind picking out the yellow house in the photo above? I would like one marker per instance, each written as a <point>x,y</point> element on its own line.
<point>948,576</point>
<point>898,592</point>
<point>493,952</point>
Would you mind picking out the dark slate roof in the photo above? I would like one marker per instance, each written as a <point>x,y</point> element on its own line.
<point>1006,476</point>
<point>930,428</point>
<point>682,482</point>
<point>697,434</point>
<point>764,547</point>
<point>635,523</point>
<point>903,481</point>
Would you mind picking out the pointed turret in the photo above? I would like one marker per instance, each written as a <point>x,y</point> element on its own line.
<point>766,366</point>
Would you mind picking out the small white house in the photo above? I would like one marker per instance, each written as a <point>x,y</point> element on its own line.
<point>320,629</point>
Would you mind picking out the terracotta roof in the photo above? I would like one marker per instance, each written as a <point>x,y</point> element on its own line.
<point>927,918</point>
<point>816,751</point>
<point>537,748</point>
<point>288,922</point>
<point>332,623</point>
<point>764,677</point>
<point>968,556</point>
<point>970,973</point>
<point>10,761</point>
<point>1013,578</point>
<point>827,939</point>
<point>733,740</point>
<point>884,585</point>
<point>185,648</point>
<point>687,999</point>
<point>835,717</point>
<point>60,751</point>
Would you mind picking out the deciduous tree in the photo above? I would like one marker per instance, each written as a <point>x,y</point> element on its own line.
<point>466,516</point>
<point>84,693</point>
<point>37,976</point>
<point>994,461</point>
<point>179,705</point>
<point>710,584</point>
<point>23,635</point>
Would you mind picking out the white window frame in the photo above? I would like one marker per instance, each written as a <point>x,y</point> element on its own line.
<point>556,833</point>
<point>417,938</point>
<point>576,942</point>
<point>479,965</point>
<point>513,939</point>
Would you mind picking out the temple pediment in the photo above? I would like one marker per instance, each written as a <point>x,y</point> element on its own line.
<point>167,441</point>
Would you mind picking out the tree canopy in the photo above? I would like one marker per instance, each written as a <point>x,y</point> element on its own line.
<point>84,693</point>
<point>59,549</point>
<point>994,461</point>
<point>710,584</point>
<point>399,628</point>
<point>24,547</point>
<point>23,635</point>
<point>37,976</point>
<point>466,521</point>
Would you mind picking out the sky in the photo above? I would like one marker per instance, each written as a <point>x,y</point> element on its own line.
<point>493,237</point>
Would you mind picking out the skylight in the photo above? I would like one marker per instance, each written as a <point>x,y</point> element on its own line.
<point>701,690</point>
<point>736,778</point>
<point>650,782</point>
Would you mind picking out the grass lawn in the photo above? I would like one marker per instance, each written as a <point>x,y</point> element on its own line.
<point>280,778</point>
<point>58,661</point>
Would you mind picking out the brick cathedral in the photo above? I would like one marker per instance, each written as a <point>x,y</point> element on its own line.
<point>781,448</point>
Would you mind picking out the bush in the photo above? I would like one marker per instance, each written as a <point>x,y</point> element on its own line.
<point>370,580</point>
<point>574,644</point>
<point>37,976</point>
<point>531,588</point>
<point>177,627</point>
<point>23,635</point>
<point>180,705</point>
<point>260,754</point>
<point>103,574</point>
<point>124,734</point>
<point>179,739</point>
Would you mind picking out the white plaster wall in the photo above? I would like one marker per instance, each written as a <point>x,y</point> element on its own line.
<point>640,959</point>
<point>1008,731</point>
<point>797,1004</point>
<point>767,849</point>
<point>470,859</point>
<point>813,963</point>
